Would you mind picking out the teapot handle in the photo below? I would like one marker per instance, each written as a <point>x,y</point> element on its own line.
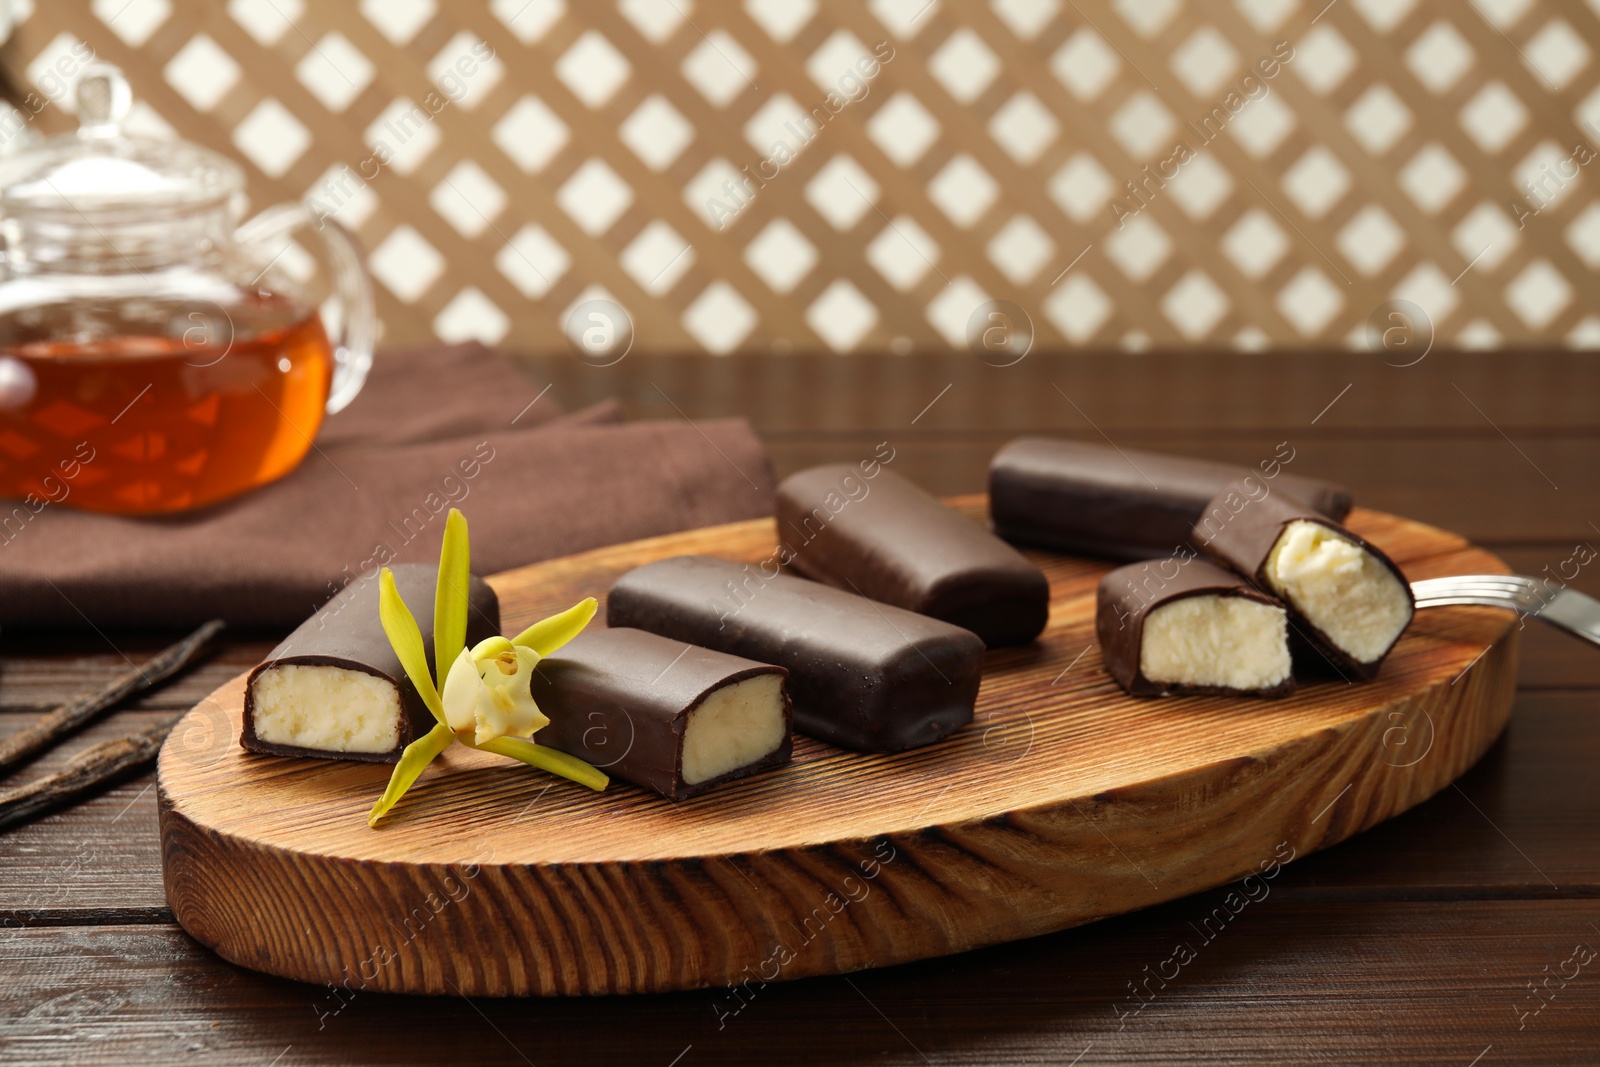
<point>352,349</point>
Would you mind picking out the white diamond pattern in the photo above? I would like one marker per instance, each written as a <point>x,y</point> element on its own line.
<point>779,174</point>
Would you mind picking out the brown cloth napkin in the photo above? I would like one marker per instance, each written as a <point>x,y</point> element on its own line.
<point>434,428</point>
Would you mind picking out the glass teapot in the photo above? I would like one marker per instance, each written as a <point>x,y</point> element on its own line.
<point>154,357</point>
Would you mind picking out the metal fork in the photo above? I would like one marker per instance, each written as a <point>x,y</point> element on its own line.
<point>1565,609</point>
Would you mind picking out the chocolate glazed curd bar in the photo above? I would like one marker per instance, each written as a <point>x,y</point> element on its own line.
<point>1191,627</point>
<point>1119,504</point>
<point>889,540</point>
<point>1347,598</point>
<point>862,675</point>
<point>671,717</point>
<point>335,688</point>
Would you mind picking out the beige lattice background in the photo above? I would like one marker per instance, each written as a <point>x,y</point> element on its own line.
<point>1430,150</point>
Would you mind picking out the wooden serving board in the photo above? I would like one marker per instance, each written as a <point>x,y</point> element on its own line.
<point>1064,802</point>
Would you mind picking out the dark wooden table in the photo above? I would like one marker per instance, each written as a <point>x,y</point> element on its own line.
<point>1447,936</point>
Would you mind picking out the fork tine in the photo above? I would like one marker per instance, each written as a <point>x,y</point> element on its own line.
<point>1494,590</point>
<point>1553,603</point>
<point>1510,584</point>
<point>1504,579</point>
<point>1482,594</point>
<point>1493,579</point>
<point>1513,592</point>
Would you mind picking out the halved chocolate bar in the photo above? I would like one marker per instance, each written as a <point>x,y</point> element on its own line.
<point>1116,503</point>
<point>862,675</point>
<point>672,717</point>
<point>334,688</point>
<point>887,539</point>
<point>1191,627</point>
<point>1346,597</point>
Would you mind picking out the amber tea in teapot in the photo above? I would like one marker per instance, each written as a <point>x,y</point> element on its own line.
<point>153,358</point>
<point>171,404</point>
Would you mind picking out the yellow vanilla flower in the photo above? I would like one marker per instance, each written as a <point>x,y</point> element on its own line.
<point>488,692</point>
<point>486,701</point>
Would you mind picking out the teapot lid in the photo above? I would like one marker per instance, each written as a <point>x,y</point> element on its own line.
<point>101,172</point>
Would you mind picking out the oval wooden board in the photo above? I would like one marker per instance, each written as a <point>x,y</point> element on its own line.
<point>1064,802</point>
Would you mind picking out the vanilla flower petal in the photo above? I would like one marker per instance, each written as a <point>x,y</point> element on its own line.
<point>461,687</point>
<point>413,761</point>
<point>505,705</point>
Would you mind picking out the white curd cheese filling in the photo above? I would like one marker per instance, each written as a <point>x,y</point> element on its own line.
<point>1341,589</point>
<point>329,709</point>
<point>734,727</point>
<point>1212,640</point>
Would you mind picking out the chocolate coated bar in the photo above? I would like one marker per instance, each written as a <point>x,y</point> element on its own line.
<point>1119,504</point>
<point>334,688</point>
<point>887,539</point>
<point>862,675</point>
<point>1344,596</point>
<point>1185,625</point>
<point>656,712</point>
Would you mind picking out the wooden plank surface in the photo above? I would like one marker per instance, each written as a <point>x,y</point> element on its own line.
<point>1496,447</point>
<point>1411,943</point>
<point>1212,392</point>
<point>1281,982</point>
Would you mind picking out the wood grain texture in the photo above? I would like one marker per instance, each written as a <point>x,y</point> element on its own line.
<point>99,856</point>
<point>1530,805</point>
<point>89,773</point>
<point>38,673</point>
<point>1462,440</point>
<point>1220,394</point>
<point>1287,984</point>
<point>25,745</point>
<point>1066,801</point>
